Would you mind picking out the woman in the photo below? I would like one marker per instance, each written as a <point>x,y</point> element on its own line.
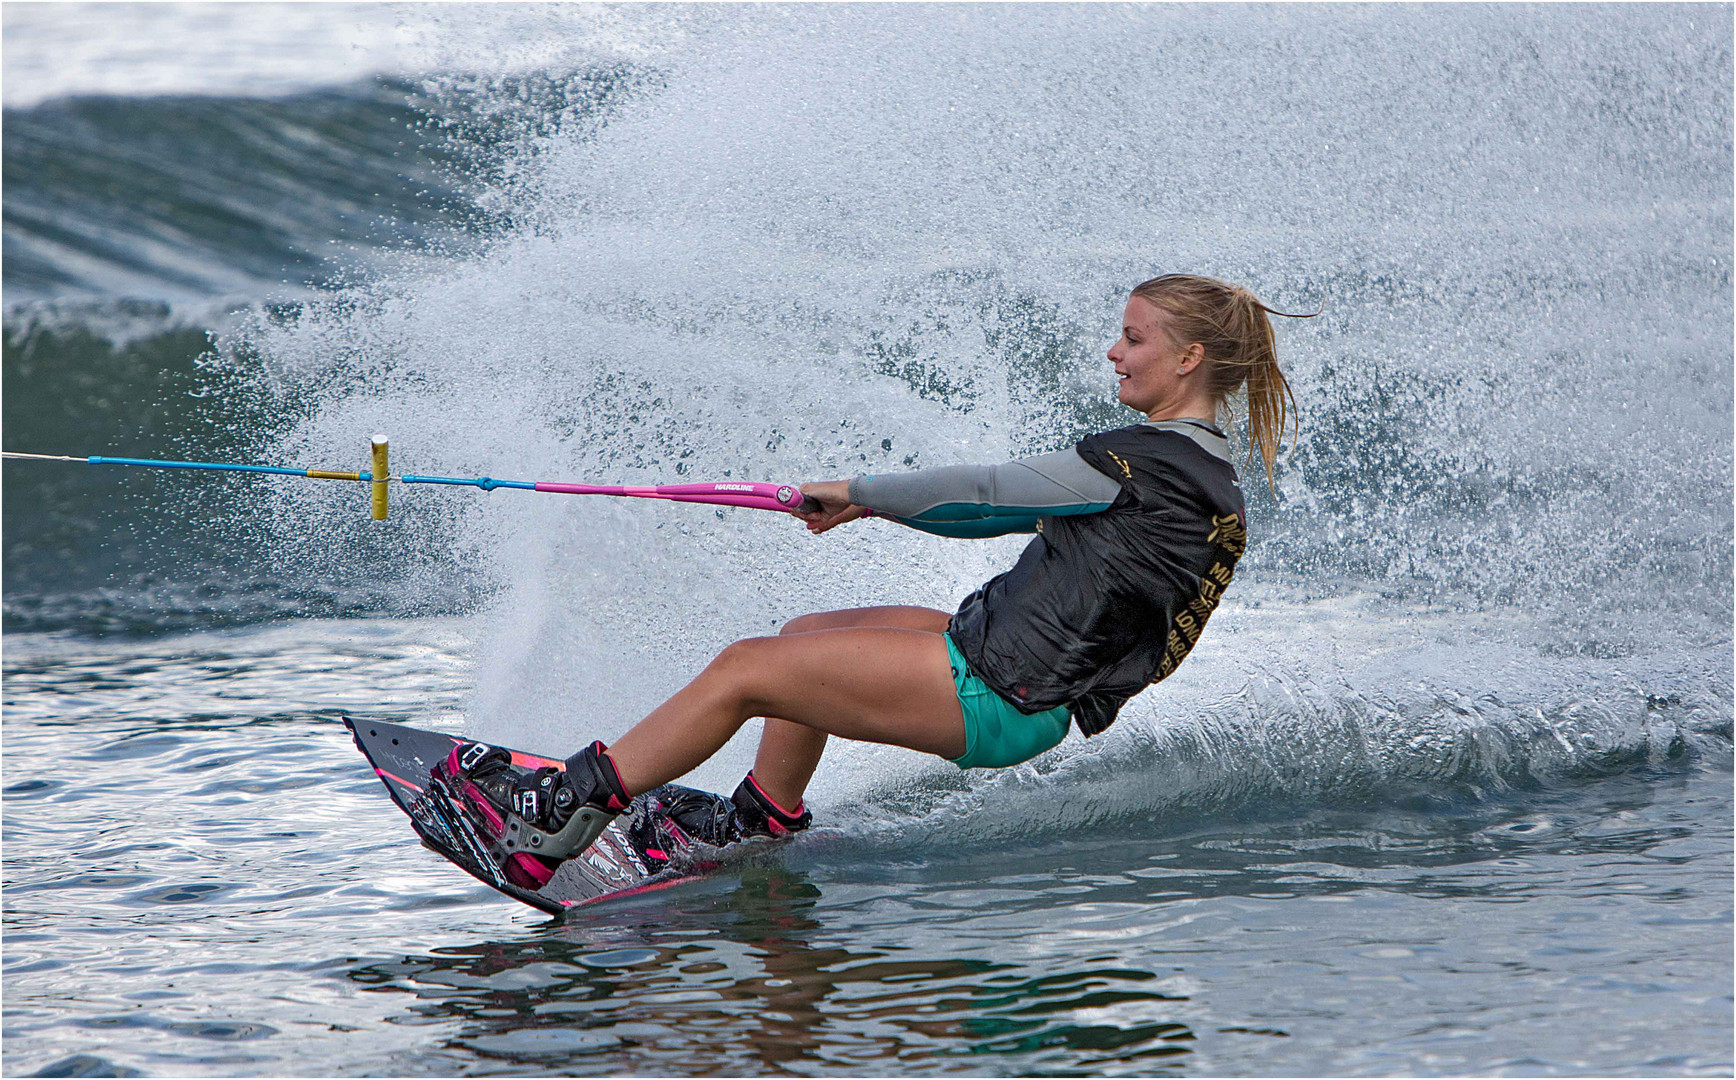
<point>1138,532</point>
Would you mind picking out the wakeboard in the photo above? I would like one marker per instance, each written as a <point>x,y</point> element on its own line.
<point>641,850</point>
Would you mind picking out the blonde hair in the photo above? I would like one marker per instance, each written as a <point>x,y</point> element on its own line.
<point>1231,324</point>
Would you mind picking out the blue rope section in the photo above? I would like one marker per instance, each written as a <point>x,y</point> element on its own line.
<point>486,483</point>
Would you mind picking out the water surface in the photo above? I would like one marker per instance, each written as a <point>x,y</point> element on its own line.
<point>1444,789</point>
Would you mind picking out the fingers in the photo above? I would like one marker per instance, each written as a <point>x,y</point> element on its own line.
<point>835,507</point>
<point>819,523</point>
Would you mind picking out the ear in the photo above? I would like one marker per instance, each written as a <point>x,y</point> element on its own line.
<point>1191,358</point>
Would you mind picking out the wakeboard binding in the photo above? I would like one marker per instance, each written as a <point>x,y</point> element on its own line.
<point>532,821</point>
<point>755,813</point>
<point>675,818</point>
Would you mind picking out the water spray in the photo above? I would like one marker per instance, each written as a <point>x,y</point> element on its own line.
<point>755,496</point>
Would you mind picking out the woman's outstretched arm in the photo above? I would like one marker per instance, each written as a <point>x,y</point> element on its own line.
<point>973,500</point>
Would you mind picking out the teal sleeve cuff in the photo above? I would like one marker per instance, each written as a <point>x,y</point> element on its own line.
<point>961,511</point>
<point>974,528</point>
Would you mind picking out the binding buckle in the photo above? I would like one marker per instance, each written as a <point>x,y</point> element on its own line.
<point>579,833</point>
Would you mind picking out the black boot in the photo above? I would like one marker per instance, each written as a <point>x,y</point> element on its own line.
<point>758,814</point>
<point>590,779</point>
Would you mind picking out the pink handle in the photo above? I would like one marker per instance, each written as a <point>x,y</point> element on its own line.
<point>755,496</point>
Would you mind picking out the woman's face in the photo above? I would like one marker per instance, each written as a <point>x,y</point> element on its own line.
<point>1152,368</point>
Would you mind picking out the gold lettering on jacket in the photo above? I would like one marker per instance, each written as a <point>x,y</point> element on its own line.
<point>1229,531</point>
<point>1232,538</point>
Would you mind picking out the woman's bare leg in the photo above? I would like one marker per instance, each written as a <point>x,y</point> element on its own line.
<point>834,681</point>
<point>790,752</point>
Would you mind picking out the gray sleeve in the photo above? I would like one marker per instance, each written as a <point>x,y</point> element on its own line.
<point>1060,483</point>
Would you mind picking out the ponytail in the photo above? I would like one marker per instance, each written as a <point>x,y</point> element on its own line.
<point>1231,324</point>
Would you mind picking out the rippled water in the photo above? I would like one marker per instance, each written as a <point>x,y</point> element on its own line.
<point>202,878</point>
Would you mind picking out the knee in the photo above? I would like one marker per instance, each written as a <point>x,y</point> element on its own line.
<point>803,624</point>
<point>741,658</point>
<point>740,671</point>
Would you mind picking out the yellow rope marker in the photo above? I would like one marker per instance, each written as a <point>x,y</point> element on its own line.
<point>381,473</point>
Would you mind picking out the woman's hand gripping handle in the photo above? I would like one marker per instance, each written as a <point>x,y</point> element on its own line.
<point>832,505</point>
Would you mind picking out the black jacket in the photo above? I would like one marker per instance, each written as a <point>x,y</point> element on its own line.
<point>1099,606</point>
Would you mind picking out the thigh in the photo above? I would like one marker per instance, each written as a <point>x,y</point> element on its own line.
<point>895,616</point>
<point>871,683</point>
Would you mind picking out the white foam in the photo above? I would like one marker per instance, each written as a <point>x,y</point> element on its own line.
<point>811,233</point>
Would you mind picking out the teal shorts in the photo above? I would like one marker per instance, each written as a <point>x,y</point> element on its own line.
<point>996,733</point>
